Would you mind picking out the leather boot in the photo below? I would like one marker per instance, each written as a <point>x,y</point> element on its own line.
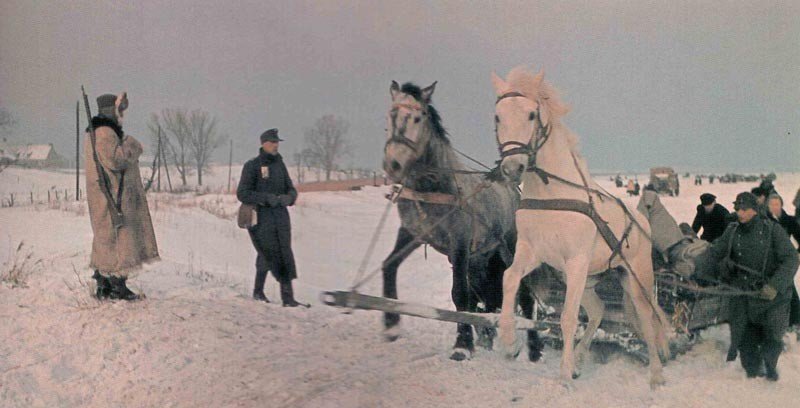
<point>771,350</point>
<point>120,291</point>
<point>287,295</point>
<point>103,286</point>
<point>258,288</point>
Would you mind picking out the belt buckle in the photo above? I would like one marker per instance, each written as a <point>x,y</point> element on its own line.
<point>394,194</point>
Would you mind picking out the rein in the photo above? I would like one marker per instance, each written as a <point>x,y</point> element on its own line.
<point>540,135</point>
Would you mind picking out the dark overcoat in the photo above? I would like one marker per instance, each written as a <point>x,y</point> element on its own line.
<point>713,223</point>
<point>265,183</point>
<point>752,255</point>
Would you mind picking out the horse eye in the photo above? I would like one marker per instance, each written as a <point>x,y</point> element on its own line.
<point>416,120</point>
<point>532,116</point>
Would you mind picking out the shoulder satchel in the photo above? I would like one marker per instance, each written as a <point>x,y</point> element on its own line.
<point>247,217</point>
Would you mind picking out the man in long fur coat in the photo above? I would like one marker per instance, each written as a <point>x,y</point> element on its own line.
<point>116,250</point>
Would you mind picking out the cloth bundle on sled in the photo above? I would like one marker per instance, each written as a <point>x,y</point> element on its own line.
<point>674,248</point>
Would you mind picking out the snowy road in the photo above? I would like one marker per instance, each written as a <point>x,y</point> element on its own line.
<point>198,340</point>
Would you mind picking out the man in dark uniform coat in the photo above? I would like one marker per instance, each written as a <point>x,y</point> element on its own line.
<point>265,183</point>
<point>755,254</point>
<point>712,217</point>
<point>792,227</point>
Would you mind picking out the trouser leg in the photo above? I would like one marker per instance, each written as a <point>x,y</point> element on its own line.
<point>750,350</point>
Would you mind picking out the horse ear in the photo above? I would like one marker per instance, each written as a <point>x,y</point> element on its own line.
<point>394,89</point>
<point>537,80</point>
<point>427,93</point>
<point>500,86</point>
<point>121,103</point>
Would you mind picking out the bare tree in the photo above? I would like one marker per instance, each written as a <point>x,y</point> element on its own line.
<point>177,135</point>
<point>7,122</point>
<point>326,143</point>
<point>203,140</point>
<point>189,138</point>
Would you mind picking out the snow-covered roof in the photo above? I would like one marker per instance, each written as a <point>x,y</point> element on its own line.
<point>34,152</point>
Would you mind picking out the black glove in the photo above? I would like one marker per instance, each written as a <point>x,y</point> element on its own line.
<point>285,200</point>
<point>272,200</point>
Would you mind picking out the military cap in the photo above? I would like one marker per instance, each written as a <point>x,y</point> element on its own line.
<point>707,198</point>
<point>745,200</point>
<point>270,135</point>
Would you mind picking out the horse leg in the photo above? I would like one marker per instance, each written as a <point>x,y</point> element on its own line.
<point>461,294</point>
<point>595,308</point>
<point>646,313</point>
<point>526,303</point>
<point>524,261</point>
<point>491,290</point>
<point>402,249</point>
<point>576,271</point>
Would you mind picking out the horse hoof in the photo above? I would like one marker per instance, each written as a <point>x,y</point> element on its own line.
<point>460,354</point>
<point>486,338</point>
<point>391,334</point>
<point>512,352</point>
<point>576,374</point>
<point>657,381</point>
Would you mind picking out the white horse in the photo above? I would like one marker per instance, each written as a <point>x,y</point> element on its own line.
<point>567,221</point>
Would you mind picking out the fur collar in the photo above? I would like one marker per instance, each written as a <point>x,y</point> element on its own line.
<point>99,121</point>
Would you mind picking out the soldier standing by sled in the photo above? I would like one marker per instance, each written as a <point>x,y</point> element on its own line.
<point>123,231</point>
<point>265,184</point>
<point>755,254</point>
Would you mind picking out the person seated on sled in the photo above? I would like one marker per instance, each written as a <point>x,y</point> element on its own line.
<point>755,255</point>
<point>672,248</point>
<point>711,217</point>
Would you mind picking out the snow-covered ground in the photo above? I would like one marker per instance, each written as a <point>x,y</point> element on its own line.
<point>198,339</point>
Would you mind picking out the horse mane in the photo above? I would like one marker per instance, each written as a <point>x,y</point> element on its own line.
<point>414,91</point>
<point>439,151</point>
<point>524,81</point>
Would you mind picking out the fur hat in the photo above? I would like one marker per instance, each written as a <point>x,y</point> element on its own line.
<point>111,105</point>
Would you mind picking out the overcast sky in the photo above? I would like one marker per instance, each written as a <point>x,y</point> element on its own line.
<point>692,84</point>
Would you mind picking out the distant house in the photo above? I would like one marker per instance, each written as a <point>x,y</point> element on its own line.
<point>40,155</point>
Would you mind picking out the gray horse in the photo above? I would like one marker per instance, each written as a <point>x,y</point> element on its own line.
<point>477,234</point>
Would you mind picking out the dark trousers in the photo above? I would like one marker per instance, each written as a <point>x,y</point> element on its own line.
<point>757,346</point>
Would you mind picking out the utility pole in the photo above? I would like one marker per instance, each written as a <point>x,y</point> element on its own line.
<point>77,151</point>
<point>158,160</point>
<point>166,165</point>
<point>230,164</point>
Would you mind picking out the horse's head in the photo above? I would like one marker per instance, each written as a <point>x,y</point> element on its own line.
<point>522,120</point>
<point>408,119</point>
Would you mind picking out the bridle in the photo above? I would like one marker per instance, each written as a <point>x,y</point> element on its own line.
<point>400,137</point>
<point>539,136</point>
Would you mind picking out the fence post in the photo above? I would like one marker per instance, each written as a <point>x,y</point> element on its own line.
<point>31,197</point>
<point>48,196</point>
<point>57,199</point>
